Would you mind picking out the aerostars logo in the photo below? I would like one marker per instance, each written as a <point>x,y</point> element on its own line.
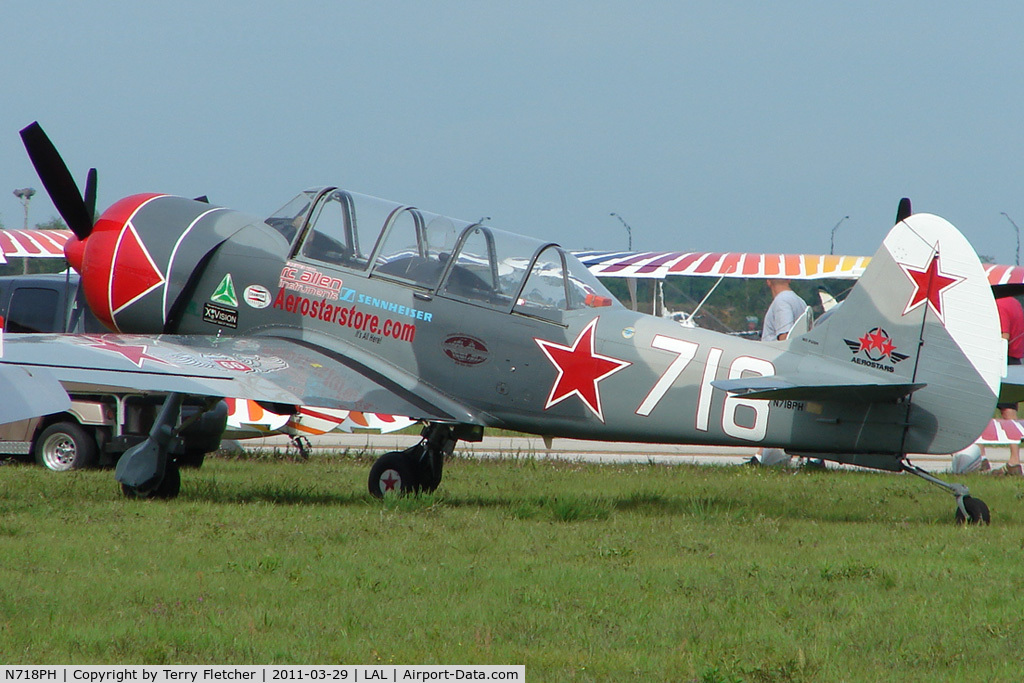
<point>225,292</point>
<point>580,368</point>
<point>874,348</point>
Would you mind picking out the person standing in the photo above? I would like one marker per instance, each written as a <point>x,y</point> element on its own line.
<point>785,309</point>
<point>1011,324</point>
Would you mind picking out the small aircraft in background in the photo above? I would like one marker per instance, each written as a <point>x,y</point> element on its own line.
<point>247,419</point>
<point>351,302</point>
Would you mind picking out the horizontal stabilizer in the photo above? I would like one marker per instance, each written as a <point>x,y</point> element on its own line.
<point>776,387</point>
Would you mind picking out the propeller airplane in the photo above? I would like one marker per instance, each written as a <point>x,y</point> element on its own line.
<point>351,302</point>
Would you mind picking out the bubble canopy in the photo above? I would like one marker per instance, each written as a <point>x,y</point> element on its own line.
<point>452,258</point>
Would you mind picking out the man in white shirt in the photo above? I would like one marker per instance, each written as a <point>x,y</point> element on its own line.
<point>784,311</point>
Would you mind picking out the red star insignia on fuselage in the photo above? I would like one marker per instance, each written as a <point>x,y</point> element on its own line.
<point>929,285</point>
<point>136,353</point>
<point>580,368</point>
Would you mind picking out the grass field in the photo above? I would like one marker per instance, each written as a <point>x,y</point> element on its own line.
<point>580,572</point>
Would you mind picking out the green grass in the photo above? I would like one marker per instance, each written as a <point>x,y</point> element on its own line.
<point>580,572</point>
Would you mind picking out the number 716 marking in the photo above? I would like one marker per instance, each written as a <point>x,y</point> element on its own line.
<point>685,352</point>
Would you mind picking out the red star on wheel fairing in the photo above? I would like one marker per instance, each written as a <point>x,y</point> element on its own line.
<point>929,285</point>
<point>580,368</point>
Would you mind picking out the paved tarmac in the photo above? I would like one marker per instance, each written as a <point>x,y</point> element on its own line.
<point>573,450</point>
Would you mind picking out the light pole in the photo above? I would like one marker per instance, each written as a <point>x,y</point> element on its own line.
<point>629,230</point>
<point>832,244</point>
<point>25,194</point>
<point>1015,227</point>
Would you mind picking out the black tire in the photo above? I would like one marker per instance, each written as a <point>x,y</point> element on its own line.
<point>191,459</point>
<point>977,512</point>
<point>169,487</point>
<point>391,474</point>
<point>65,446</point>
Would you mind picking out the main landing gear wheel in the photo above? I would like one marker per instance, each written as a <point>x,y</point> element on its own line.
<point>976,511</point>
<point>391,474</point>
<point>416,469</point>
<point>168,488</point>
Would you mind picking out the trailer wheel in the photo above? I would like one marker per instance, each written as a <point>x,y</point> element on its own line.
<point>65,446</point>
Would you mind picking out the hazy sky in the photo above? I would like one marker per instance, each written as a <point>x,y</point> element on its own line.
<point>706,125</point>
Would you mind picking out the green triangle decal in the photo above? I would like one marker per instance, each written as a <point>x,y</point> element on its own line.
<point>225,292</point>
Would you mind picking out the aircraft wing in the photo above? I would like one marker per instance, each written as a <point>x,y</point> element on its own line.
<point>268,369</point>
<point>29,393</point>
<point>1009,280</point>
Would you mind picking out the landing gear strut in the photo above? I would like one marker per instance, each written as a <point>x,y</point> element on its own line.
<point>418,468</point>
<point>148,470</point>
<point>301,444</point>
<point>968,509</point>
<point>145,470</point>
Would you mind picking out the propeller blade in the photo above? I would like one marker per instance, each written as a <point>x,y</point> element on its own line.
<point>90,194</point>
<point>57,180</point>
<point>904,210</point>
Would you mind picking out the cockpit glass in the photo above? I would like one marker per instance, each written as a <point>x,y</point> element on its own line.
<point>417,247</point>
<point>289,218</point>
<point>490,266</point>
<point>344,228</point>
<point>413,246</point>
<point>559,282</point>
<point>585,290</point>
<point>544,294</point>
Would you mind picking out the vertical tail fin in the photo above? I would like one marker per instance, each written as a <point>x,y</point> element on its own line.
<point>923,313</point>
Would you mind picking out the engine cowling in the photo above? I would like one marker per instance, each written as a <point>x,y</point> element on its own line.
<point>143,253</point>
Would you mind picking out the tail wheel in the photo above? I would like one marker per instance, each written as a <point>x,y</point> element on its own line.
<point>65,446</point>
<point>977,512</point>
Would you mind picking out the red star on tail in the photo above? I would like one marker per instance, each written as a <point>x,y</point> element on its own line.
<point>929,285</point>
<point>580,368</point>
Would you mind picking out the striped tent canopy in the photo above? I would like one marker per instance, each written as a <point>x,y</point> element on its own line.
<point>661,264</point>
<point>32,244</point>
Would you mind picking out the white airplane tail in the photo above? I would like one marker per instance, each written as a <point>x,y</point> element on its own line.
<point>922,319</point>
